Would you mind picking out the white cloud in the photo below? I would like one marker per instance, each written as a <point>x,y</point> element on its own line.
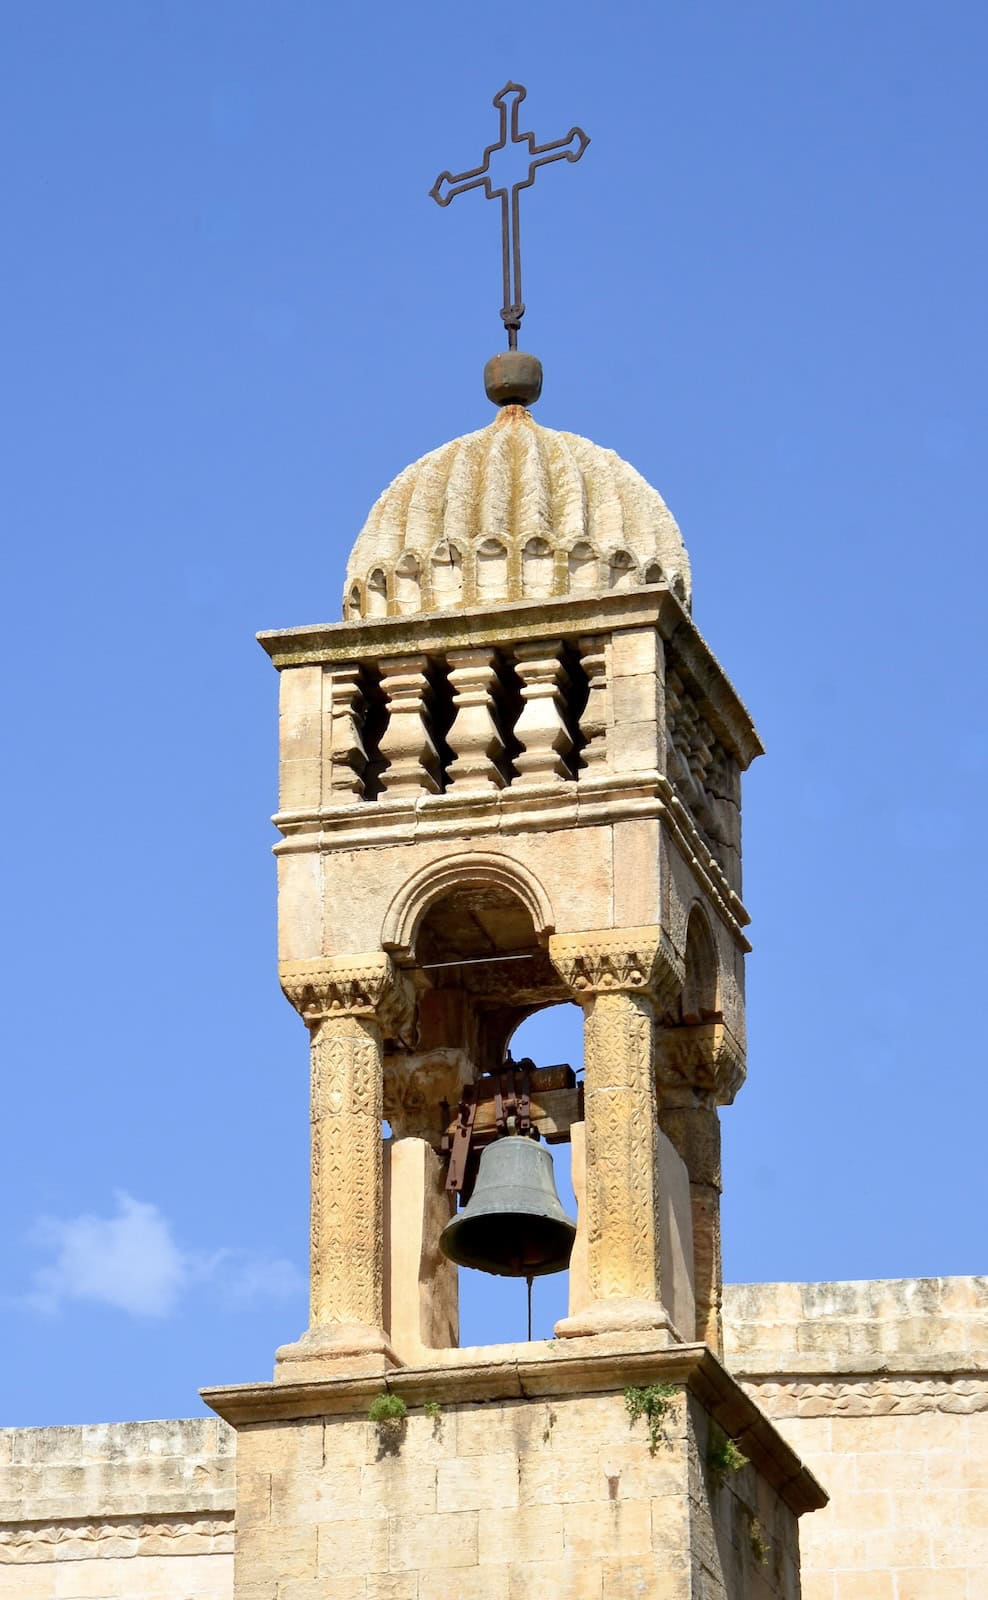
<point>132,1262</point>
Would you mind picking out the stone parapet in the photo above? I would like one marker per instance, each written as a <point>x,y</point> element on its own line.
<point>118,1509</point>
<point>882,1387</point>
<point>884,1325</point>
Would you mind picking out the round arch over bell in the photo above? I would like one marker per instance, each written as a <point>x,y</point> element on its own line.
<point>473,868</point>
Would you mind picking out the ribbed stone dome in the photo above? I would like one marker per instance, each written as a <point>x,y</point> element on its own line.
<point>514,511</point>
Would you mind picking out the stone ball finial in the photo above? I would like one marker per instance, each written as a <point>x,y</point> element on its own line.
<point>513,378</point>
<point>514,511</point>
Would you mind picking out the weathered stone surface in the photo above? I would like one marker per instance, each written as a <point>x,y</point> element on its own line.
<point>882,1387</point>
<point>117,1510</point>
<point>581,520</point>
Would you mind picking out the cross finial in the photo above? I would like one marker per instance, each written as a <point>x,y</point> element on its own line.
<point>448,185</point>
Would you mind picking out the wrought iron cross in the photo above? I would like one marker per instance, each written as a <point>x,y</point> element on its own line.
<point>448,185</point>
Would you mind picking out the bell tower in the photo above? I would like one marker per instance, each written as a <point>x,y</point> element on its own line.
<point>511,777</point>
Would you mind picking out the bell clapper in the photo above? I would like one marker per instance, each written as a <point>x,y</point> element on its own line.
<point>529,1281</point>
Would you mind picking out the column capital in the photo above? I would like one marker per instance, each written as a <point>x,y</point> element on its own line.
<point>358,986</point>
<point>704,1056</point>
<point>636,960</point>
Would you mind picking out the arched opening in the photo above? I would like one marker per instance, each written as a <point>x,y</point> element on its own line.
<point>473,932</point>
<point>699,1000</point>
<point>495,1310</point>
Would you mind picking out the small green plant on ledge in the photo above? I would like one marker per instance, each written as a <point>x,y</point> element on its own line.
<point>723,1455</point>
<point>759,1544</point>
<point>651,1402</point>
<point>388,1411</point>
<point>434,1412</point>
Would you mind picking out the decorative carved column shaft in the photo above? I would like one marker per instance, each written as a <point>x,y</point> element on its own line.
<point>540,728</point>
<point>346,1239</point>
<point>406,744</point>
<point>346,1006</point>
<point>473,737</point>
<point>616,976</point>
<point>619,1100</point>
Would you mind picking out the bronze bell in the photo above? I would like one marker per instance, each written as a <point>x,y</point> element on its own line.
<point>513,1225</point>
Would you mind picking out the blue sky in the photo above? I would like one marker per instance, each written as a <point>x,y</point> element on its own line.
<point>230,315</point>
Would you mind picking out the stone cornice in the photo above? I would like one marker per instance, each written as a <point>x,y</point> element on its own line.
<point>785,1366</point>
<point>529,620</point>
<point>538,808</point>
<point>541,1371</point>
<point>639,960</point>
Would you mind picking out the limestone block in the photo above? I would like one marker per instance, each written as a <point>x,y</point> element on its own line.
<point>636,652</point>
<point>300,713</point>
<point>536,1534</point>
<point>470,1583</point>
<point>353,1548</point>
<point>445,1541</point>
<point>634,747</point>
<point>636,873</point>
<point>394,1485</point>
<point>300,907</point>
<point>479,1483</point>
<point>594,1529</point>
<point>636,699</point>
<point>420,1285</point>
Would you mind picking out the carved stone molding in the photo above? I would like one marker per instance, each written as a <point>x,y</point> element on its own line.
<point>356,986</point>
<point>890,1397</point>
<point>638,960</point>
<point>704,1056</point>
<point>415,1087</point>
<point>28,1542</point>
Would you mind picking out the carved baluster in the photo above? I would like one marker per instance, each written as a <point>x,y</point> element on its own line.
<point>413,766</point>
<point>342,697</point>
<point>541,729</point>
<point>593,723</point>
<point>473,738</point>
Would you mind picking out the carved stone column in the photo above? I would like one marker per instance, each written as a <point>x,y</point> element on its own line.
<point>473,738</point>
<point>406,744</point>
<point>619,976</point>
<point>347,1005</point>
<point>540,728</point>
<point>698,1068</point>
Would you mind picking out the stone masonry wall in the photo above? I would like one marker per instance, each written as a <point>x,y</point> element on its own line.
<point>505,1500</point>
<point>117,1511</point>
<point>882,1389</point>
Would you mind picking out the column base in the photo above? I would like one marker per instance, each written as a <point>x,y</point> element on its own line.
<point>335,1350</point>
<point>620,1314</point>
